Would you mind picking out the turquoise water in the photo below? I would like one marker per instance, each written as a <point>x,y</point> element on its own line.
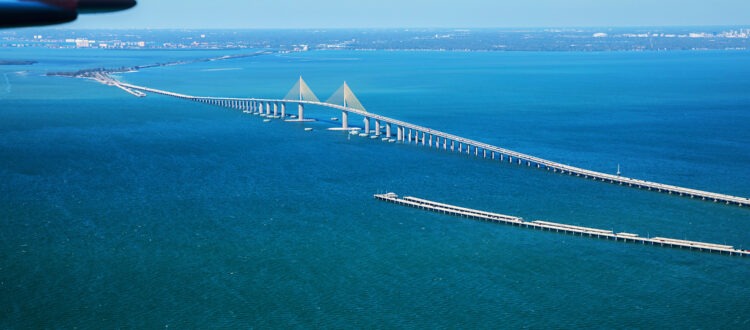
<point>126,212</point>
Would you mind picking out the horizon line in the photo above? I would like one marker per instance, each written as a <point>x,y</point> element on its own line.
<point>397,28</point>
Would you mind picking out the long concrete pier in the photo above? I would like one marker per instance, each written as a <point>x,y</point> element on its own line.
<point>408,133</point>
<point>463,212</point>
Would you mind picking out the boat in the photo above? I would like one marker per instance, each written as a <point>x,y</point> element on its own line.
<point>308,129</point>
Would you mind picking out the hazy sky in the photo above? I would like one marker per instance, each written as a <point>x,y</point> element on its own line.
<point>419,13</point>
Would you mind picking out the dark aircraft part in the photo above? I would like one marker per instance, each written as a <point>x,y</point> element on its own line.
<point>19,14</point>
<point>101,6</point>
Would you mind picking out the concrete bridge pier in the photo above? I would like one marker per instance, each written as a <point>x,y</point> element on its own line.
<point>409,137</point>
<point>445,144</point>
<point>453,144</point>
<point>344,120</point>
<point>399,134</point>
<point>430,142</point>
<point>283,109</point>
<point>388,130</point>
<point>377,127</point>
<point>275,109</point>
<point>367,125</point>
<point>423,137</point>
<point>300,111</point>
<point>268,108</point>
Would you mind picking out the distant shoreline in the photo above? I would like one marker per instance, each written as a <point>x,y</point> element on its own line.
<point>17,62</point>
<point>87,73</point>
<point>546,39</point>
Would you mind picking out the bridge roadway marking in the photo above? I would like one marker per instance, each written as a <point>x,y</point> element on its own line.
<point>716,197</point>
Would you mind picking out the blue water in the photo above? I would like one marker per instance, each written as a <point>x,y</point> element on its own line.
<point>154,212</point>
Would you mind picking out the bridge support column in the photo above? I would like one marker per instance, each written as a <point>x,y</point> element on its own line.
<point>283,110</point>
<point>275,109</point>
<point>300,111</point>
<point>445,144</point>
<point>388,130</point>
<point>484,152</point>
<point>453,144</point>
<point>367,125</point>
<point>423,137</point>
<point>400,134</point>
<point>268,108</point>
<point>430,143</point>
<point>377,127</point>
<point>409,138</point>
<point>344,120</point>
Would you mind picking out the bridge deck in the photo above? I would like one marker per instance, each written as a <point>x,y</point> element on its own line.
<point>558,227</point>
<point>520,157</point>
